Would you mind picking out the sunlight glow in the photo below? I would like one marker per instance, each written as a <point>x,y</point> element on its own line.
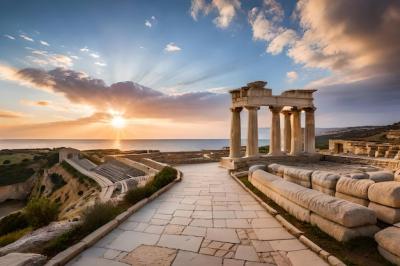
<point>118,122</point>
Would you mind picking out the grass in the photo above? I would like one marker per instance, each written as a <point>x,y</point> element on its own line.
<point>101,213</point>
<point>41,211</point>
<point>15,158</point>
<point>13,236</point>
<point>359,251</point>
<point>13,222</point>
<point>15,173</point>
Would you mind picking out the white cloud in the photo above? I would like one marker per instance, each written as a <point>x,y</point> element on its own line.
<point>43,58</point>
<point>285,38</point>
<point>153,17</point>
<point>171,47</point>
<point>84,49</point>
<point>74,57</point>
<point>44,43</point>
<point>226,9</point>
<point>148,24</point>
<point>9,37</point>
<point>100,64</point>
<point>94,55</point>
<point>26,38</point>
<point>292,76</point>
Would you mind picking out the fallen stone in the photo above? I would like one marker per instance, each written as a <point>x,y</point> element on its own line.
<point>381,176</point>
<point>38,237</point>
<point>389,239</point>
<point>384,213</point>
<point>324,179</point>
<point>22,259</point>
<point>385,193</point>
<point>354,187</point>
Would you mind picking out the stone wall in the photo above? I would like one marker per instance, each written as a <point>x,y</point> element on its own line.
<point>18,191</point>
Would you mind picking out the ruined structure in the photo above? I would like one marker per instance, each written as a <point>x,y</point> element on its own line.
<point>290,103</point>
<point>365,148</point>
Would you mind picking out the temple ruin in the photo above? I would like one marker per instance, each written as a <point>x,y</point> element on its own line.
<point>290,104</point>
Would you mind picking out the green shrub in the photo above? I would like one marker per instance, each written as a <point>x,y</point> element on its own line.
<point>62,242</point>
<point>135,195</point>
<point>164,177</point>
<point>41,211</point>
<point>13,222</point>
<point>6,162</point>
<point>11,237</point>
<point>99,214</point>
<point>161,179</point>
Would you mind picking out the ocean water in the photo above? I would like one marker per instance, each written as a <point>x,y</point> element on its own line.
<point>126,144</point>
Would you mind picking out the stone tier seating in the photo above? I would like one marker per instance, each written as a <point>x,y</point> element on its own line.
<point>117,172</point>
<point>84,163</point>
<point>353,187</point>
<point>339,218</point>
<point>389,244</point>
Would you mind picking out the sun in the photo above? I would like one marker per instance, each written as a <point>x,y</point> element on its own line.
<point>118,122</point>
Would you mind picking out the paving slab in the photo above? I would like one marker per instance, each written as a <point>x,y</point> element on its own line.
<point>130,240</point>
<point>150,255</point>
<point>246,253</point>
<point>305,257</point>
<point>185,258</point>
<point>222,234</point>
<point>183,242</point>
<point>272,234</point>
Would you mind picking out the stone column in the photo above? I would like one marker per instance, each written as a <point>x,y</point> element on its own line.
<point>296,141</point>
<point>275,131</point>
<point>287,132</point>
<point>235,140</point>
<point>309,131</point>
<point>252,132</point>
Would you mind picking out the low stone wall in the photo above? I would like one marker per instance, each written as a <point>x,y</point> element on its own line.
<point>389,164</point>
<point>340,219</point>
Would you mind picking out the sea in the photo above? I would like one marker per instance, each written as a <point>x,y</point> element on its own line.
<point>164,145</point>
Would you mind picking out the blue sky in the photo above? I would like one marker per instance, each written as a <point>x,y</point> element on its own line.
<point>168,47</point>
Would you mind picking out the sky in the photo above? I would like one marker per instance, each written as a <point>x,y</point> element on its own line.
<point>162,69</point>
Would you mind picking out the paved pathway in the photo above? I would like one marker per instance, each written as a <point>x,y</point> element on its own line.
<point>207,219</point>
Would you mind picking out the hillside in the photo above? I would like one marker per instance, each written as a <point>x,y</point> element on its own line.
<point>366,133</point>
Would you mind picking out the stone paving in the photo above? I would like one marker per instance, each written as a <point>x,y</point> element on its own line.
<point>207,219</point>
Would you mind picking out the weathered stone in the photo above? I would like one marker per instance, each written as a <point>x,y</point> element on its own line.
<point>324,179</point>
<point>385,193</point>
<point>381,176</point>
<point>246,253</point>
<point>389,239</point>
<point>354,187</point>
<point>22,259</point>
<point>150,255</point>
<point>185,258</point>
<point>385,213</point>
<point>189,243</point>
<point>359,201</point>
<point>37,237</point>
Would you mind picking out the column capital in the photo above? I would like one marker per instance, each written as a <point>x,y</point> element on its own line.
<point>295,109</point>
<point>286,112</point>
<point>309,109</point>
<point>252,107</point>
<point>236,109</point>
<point>275,109</point>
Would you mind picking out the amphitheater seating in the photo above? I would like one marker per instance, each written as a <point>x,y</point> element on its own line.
<point>117,172</point>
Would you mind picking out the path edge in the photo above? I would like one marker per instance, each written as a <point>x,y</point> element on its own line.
<point>68,254</point>
<point>329,258</point>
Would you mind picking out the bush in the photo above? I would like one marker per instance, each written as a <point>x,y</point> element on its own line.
<point>164,177</point>
<point>11,237</point>
<point>99,214</point>
<point>161,179</point>
<point>41,211</point>
<point>6,162</point>
<point>13,222</point>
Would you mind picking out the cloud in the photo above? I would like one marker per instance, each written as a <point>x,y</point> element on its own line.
<point>171,47</point>
<point>292,76</point>
<point>42,103</point>
<point>226,10</point>
<point>9,114</point>
<point>148,23</point>
<point>94,55</point>
<point>100,64</point>
<point>84,49</point>
<point>44,58</point>
<point>74,57</point>
<point>44,43</point>
<point>26,38</point>
<point>286,38</point>
<point>9,37</point>
<point>132,99</point>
